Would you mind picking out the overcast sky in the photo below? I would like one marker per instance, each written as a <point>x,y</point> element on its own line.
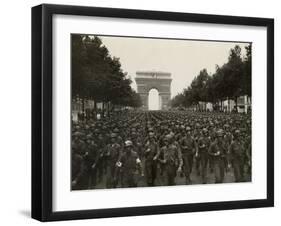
<point>182,58</point>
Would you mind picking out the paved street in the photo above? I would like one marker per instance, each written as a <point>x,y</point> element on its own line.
<point>229,178</point>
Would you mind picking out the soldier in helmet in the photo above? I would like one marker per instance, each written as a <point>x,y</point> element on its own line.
<point>237,153</point>
<point>212,134</point>
<point>228,136</point>
<point>188,149</point>
<point>196,135</point>
<point>151,154</point>
<point>112,154</point>
<point>248,153</point>
<point>130,164</point>
<point>101,148</point>
<point>203,145</point>
<point>78,179</point>
<point>90,160</point>
<point>172,159</point>
<point>138,144</point>
<point>218,151</point>
<point>118,137</point>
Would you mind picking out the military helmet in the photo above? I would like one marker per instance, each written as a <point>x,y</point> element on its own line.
<point>128,143</point>
<point>78,134</point>
<point>89,136</point>
<point>237,131</point>
<point>168,137</point>
<point>113,135</point>
<point>220,133</point>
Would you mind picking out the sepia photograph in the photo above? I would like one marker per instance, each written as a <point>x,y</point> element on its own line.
<point>148,112</point>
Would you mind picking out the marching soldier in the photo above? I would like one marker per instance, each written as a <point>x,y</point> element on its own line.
<point>172,159</point>
<point>248,153</point>
<point>93,159</point>
<point>203,145</point>
<point>236,151</point>
<point>151,154</point>
<point>196,135</point>
<point>188,149</point>
<point>78,179</point>
<point>89,159</point>
<point>112,154</point>
<point>228,137</point>
<point>101,148</point>
<point>218,151</point>
<point>130,164</point>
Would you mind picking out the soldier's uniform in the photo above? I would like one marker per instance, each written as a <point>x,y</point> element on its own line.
<point>203,145</point>
<point>139,147</point>
<point>151,153</point>
<point>196,135</point>
<point>91,161</point>
<point>228,140</point>
<point>130,164</point>
<point>112,155</point>
<point>77,172</point>
<point>218,151</point>
<point>101,149</point>
<point>237,153</point>
<point>188,147</point>
<point>212,137</point>
<point>248,153</point>
<point>172,158</point>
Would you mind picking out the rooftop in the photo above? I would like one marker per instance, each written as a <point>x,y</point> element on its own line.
<point>153,74</point>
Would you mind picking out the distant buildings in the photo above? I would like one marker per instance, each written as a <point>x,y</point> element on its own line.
<point>77,107</point>
<point>244,105</point>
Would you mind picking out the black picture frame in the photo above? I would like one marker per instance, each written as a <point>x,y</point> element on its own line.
<point>42,107</point>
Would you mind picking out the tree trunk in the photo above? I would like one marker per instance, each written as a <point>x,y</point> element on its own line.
<point>236,104</point>
<point>107,109</point>
<point>228,105</point>
<point>83,105</point>
<point>95,105</point>
<point>102,115</point>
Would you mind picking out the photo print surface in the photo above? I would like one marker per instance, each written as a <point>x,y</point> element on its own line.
<point>159,112</point>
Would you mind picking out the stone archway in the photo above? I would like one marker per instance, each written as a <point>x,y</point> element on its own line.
<point>147,80</point>
<point>154,100</point>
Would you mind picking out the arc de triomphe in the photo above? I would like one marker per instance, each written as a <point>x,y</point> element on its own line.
<point>161,81</point>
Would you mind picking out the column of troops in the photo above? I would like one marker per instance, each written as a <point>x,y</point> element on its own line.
<point>157,148</point>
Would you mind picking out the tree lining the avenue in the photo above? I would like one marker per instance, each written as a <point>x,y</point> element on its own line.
<point>98,76</point>
<point>230,81</point>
